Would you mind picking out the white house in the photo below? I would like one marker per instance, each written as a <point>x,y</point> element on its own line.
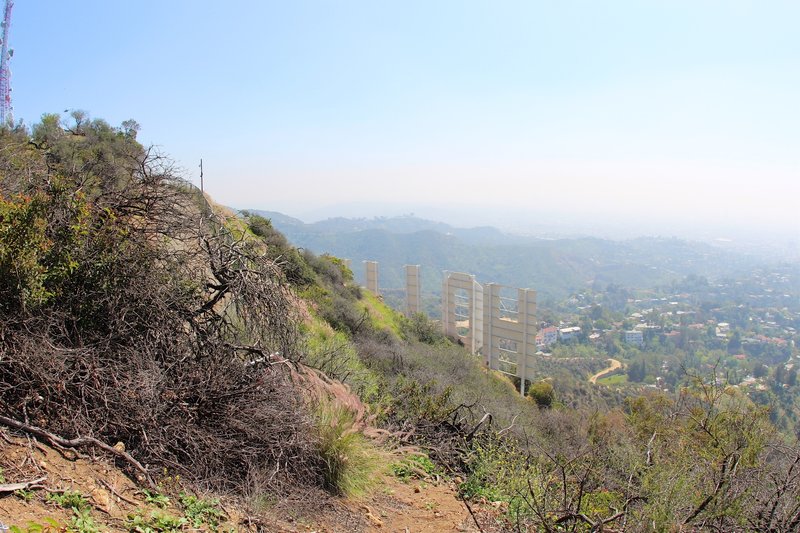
<point>633,337</point>
<point>569,333</point>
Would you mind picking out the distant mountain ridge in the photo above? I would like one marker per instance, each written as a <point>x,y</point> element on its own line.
<point>554,267</point>
<point>398,224</point>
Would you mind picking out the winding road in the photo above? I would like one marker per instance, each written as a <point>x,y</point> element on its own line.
<point>614,366</point>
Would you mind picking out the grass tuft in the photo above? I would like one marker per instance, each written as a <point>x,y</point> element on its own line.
<point>349,458</point>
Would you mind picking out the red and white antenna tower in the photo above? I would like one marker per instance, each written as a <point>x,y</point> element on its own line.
<point>6,111</point>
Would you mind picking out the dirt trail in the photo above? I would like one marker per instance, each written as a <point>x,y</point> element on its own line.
<point>614,366</point>
<point>417,507</point>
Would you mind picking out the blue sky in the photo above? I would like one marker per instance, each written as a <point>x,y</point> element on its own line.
<point>628,110</point>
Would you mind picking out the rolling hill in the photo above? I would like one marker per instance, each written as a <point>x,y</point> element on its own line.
<point>554,267</point>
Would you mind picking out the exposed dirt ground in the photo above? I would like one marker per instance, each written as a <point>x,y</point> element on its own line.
<point>110,493</point>
<point>392,506</point>
<point>613,365</point>
<point>417,507</point>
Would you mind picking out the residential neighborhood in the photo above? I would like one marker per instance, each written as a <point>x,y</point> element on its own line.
<point>743,332</point>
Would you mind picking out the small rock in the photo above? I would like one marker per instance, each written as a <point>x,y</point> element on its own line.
<point>101,499</point>
<point>503,506</point>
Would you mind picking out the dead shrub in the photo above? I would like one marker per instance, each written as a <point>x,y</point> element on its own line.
<point>156,323</point>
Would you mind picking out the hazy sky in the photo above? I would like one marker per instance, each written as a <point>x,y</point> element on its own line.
<point>662,111</point>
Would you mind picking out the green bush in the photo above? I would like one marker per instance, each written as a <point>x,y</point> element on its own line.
<point>495,471</point>
<point>200,511</point>
<point>68,500</point>
<point>416,465</point>
<point>156,522</point>
<point>292,263</point>
<point>82,522</point>
<point>50,525</point>
<point>419,327</point>
<point>22,245</point>
<point>155,498</point>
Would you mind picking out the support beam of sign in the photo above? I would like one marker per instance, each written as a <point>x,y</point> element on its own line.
<point>413,290</point>
<point>508,323</point>
<point>462,309</point>
<point>371,276</point>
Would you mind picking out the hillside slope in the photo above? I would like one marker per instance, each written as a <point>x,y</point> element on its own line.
<point>143,324</point>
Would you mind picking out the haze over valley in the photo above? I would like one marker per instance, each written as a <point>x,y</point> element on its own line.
<point>613,120</point>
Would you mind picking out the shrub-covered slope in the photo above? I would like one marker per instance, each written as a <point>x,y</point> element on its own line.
<point>704,459</point>
<point>132,311</point>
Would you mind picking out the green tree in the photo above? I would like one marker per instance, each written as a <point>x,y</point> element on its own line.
<point>735,343</point>
<point>542,393</point>
<point>791,377</point>
<point>637,370</point>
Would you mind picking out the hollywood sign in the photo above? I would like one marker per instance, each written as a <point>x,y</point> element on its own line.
<point>492,320</point>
